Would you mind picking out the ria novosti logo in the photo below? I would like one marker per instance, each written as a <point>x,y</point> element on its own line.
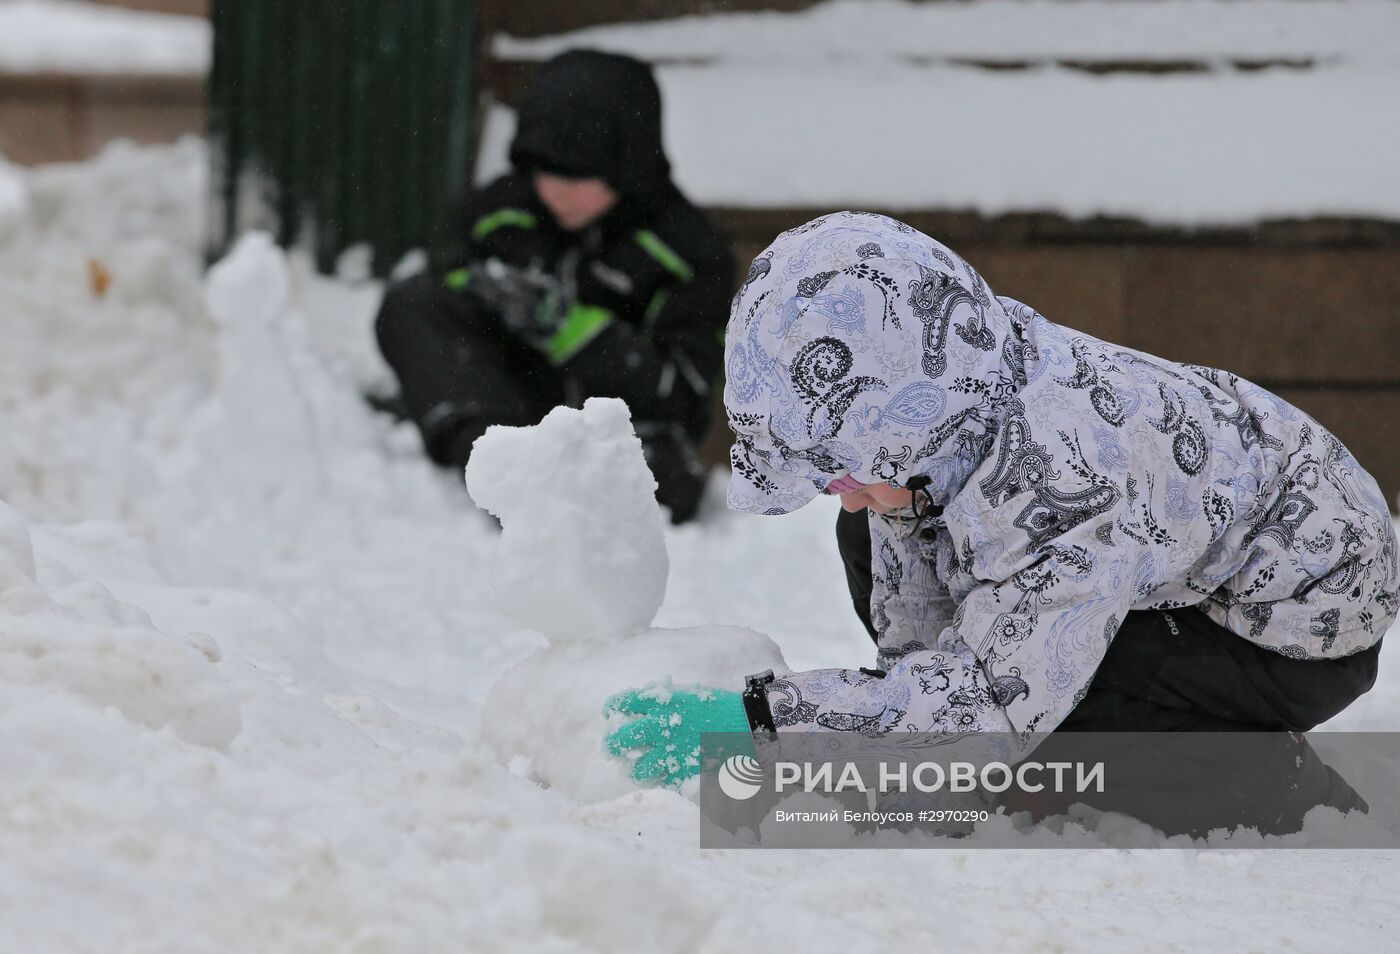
<point>740,777</point>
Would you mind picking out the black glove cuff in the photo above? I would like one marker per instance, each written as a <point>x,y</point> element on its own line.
<point>756,706</point>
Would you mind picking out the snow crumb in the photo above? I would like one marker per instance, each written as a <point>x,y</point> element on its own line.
<point>661,693</point>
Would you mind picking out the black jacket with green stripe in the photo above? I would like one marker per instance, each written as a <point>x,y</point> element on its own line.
<point>654,280</point>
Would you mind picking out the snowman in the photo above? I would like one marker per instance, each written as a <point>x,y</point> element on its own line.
<point>582,560</point>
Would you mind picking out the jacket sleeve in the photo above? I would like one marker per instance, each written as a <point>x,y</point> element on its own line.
<point>498,220</point>
<point>687,321</point>
<point>1046,595</point>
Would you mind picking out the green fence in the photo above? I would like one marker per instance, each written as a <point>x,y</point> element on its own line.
<point>336,122</point>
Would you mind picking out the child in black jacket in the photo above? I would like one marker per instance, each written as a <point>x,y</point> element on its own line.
<point>584,273</point>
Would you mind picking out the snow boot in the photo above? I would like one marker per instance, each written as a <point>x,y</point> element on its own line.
<point>680,477</point>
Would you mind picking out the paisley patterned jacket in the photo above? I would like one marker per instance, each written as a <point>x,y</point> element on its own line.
<point>1078,480</point>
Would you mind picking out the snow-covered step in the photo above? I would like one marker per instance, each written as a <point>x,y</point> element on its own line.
<point>74,76</point>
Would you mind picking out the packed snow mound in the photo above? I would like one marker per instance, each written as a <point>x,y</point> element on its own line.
<point>545,719</point>
<point>250,284</point>
<point>82,643</point>
<point>582,553</point>
<point>128,193</point>
<point>583,560</point>
<point>260,395</point>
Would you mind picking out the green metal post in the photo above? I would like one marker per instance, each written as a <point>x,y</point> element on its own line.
<point>349,120</point>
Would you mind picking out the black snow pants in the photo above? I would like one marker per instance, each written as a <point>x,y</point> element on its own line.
<point>461,370</point>
<point>1180,671</point>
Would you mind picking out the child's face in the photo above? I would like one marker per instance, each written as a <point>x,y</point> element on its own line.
<point>574,203</point>
<point>881,498</point>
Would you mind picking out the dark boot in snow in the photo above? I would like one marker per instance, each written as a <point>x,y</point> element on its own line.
<point>680,477</point>
<point>390,402</point>
<point>449,431</point>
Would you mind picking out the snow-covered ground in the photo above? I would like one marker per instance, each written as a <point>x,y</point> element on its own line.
<point>248,637</point>
<point>863,103</point>
<point>62,36</point>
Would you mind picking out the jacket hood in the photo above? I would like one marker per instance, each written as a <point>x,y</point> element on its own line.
<point>858,345</point>
<point>589,114</point>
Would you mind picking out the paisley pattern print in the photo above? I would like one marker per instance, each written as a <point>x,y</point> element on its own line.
<point>809,286</point>
<point>1103,399</point>
<point>819,377</point>
<point>758,269</point>
<point>1188,440</point>
<point>1021,464</point>
<point>1052,512</point>
<point>933,296</point>
<point>885,286</point>
<point>1074,481</point>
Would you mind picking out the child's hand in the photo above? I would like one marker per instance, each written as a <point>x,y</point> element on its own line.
<point>667,730</point>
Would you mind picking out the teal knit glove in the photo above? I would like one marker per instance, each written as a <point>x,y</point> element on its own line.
<point>668,733</point>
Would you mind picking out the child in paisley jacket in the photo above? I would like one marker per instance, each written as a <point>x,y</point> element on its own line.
<point>1041,530</point>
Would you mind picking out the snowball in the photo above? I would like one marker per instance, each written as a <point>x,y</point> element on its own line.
<point>582,554</point>
<point>547,711</point>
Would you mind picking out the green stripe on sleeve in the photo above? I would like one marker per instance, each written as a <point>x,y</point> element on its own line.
<point>489,223</point>
<point>658,302</point>
<point>664,254</point>
<point>457,278</point>
<point>581,325</point>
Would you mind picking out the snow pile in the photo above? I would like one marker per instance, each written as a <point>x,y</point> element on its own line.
<point>56,36</point>
<point>582,560</point>
<point>74,648</point>
<point>256,694</point>
<point>95,206</point>
<point>254,732</point>
<point>247,295</point>
<point>104,328</point>
<point>873,102</point>
<point>582,554</point>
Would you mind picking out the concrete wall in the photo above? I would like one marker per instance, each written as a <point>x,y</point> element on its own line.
<point>60,118</point>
